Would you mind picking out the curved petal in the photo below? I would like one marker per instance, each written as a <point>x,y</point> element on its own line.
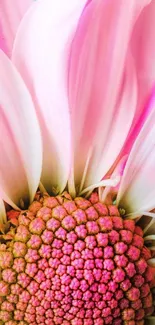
<point>96,71</point>
<point>108,194</point>
<point>11,13</point>
<point>20,140</point>
<point>143,50</point>
<point>2,212</point>
<point>41,59</point>
<point>107,146</point>
<point>137,189</point>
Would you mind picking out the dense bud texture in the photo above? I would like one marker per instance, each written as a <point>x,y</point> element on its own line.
<point>74,262</point>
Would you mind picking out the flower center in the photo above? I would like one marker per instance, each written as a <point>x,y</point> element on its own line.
<point>74,262</point>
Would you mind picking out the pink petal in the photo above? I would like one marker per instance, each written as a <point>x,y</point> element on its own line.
<point>11,13</point>
<point>20,141</point>
<point>106,149</point>
<point>101,106</point>
<point>2,40</point>
<point>137,188</point>
<point>40,55</point>
<point>143,49</point>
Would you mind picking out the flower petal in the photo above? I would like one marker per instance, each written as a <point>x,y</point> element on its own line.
<point>41,59</point>
<point>108,194</point>
<point>100,124</point>
<point>20,141</point>
<point>143,50</point>
<point>11,13</point>
<point>137,188</point>
<point>2,212</point>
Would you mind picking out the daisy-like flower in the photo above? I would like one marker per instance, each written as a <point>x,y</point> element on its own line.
<point>77,162</point>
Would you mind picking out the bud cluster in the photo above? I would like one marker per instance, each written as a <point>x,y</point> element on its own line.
<point>74,262</point>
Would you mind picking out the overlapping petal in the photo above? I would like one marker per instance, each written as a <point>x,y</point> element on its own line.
<point>11,13</point>
<point>143,50</point>
<point>137,188</point>
<point>108,194</point>
<point>20,140</point>
<point>102,96</point>
<point>41,58</point>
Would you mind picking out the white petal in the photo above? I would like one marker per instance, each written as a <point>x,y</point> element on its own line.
<point>40,54</point>
<point>111,191</point>
<point>137,188</point>
<point>20,141</point>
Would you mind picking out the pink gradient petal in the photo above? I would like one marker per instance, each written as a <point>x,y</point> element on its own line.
<point>3,46</point>
<point>137,189</point>
<point>107,147</point>
<point>11,13</point>
<point>20,140</point>
<point>2,212</point>
<point>41,59</point>
<point>99,109</point>
<point>143,50</point>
